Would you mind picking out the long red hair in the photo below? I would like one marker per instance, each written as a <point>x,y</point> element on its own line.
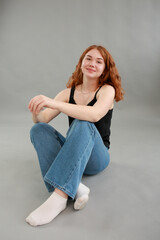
<point>109,76</point>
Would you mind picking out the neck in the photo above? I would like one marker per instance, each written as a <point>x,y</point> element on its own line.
<point>89,85</point>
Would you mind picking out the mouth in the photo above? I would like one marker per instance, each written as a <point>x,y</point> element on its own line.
<point>90,70</point>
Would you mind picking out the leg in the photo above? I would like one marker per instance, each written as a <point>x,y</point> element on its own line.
<point>98,161</point>
<point>67,169</point>
<point>82,149</point>
<point>99,158</point>
<point>47,143</point>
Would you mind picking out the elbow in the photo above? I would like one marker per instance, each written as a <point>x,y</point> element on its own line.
<point>96,118</point>
<point>96,115</point>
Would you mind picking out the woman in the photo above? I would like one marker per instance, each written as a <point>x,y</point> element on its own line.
<point>88,101</point>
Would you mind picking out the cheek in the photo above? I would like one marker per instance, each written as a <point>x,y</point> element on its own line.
<point>84,63</point>
<point>83,66</point>
<point>102,68</point>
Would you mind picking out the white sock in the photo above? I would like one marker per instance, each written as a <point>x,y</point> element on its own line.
<point>82,196</point>
<point>48,210</point>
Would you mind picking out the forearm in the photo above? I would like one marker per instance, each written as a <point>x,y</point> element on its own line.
<point>45,115</point>
<point>81,112</point>
<point>38,103</point>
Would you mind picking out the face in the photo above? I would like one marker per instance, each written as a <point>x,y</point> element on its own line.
<point>93,64</point>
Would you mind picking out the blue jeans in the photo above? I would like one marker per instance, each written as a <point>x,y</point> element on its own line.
<point>63,161</point>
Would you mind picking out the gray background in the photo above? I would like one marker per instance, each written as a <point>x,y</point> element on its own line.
<point>40,44</point>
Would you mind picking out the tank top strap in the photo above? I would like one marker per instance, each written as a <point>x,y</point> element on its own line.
<point>97,91</point>
<point>71,98</point>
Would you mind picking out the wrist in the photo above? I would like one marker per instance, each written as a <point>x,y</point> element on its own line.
<point>56,104</point>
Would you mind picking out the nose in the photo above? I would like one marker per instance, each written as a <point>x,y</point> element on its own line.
<point>92,64</point>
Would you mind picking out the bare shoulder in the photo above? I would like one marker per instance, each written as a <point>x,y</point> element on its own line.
<point>65,91</point>
<point>63,95</point>
<point>106,89</point>
<point>107,94</point>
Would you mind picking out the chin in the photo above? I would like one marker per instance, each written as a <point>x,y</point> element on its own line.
<point>91,75</point>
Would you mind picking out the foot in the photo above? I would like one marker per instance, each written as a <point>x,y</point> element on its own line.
<point>82,197</point>
<point>47,211</point>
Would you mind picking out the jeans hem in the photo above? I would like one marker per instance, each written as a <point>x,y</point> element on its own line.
<point>55,185</point>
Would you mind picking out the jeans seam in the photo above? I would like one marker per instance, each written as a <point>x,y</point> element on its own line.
<point>91,125</point>
<point>73,169</point>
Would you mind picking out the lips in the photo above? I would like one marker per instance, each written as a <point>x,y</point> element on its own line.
<point>90,69</point>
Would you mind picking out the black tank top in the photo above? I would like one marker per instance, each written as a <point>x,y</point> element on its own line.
<point>103,125</point>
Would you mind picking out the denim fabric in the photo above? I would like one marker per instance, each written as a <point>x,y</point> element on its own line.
<point>63,161</point>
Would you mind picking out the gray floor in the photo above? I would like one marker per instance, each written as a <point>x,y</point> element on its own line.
<point>124,199</point>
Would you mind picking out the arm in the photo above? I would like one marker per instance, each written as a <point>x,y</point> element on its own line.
<point>93,113</point>
<point>105,98</point>
<point>48,114</point>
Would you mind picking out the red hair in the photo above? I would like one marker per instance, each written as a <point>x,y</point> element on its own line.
<point>109,76</point>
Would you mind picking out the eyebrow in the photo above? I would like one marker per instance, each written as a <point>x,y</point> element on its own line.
<point>97,58</point>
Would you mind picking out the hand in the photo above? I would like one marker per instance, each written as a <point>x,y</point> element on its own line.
<point>37,103</point>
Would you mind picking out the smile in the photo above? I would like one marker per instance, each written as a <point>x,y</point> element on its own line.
<point>90,69</point>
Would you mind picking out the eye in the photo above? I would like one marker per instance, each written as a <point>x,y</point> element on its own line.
<point>99,62</point>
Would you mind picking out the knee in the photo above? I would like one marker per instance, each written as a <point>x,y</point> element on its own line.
<point>93,170</point>
<point>82,123</point>
<point>80,126</point>
<point>37,129</point>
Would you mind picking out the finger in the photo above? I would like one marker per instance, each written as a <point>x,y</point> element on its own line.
<point>34,101</point>
<point>39,107</point>
<point>30,105</point>
<point>36,104</point>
